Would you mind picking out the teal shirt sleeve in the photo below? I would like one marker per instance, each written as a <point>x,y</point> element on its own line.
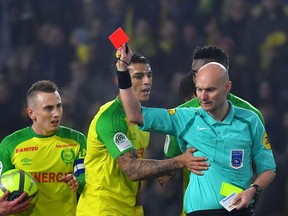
<point>157,120</point>
<point>261,150</point>
<point>173,121</point>
<point>171,147</point>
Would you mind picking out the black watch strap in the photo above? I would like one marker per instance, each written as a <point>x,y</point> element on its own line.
<point>257,188</point>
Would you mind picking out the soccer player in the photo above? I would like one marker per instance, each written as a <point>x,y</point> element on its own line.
<point>230,137</point>
<point>52,153</point>
<point>115,148</point>
<point>186,90</point>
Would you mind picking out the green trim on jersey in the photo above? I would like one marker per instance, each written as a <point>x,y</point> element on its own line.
<point>108,190</point>
<point>47,159</point>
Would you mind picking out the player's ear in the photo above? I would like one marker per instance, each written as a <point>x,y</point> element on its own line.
<point>31,113</point>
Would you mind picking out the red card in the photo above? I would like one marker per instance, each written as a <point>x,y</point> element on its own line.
<point>118,38</point>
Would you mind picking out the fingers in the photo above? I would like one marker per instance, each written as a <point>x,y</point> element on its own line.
<point>67,178</point>
<point>72,181</point>
<point>242,200</point>
<point>197,172</point>
<point>197,167</point>
<point>4,196</point>
<point>21,198</point>
<point>191,149</point>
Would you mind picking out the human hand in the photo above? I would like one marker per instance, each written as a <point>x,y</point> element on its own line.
<point>194,164</point>
<point>243,199</point>
<point>71,180</point>
<point>15,206</point>
<point>125,54</point>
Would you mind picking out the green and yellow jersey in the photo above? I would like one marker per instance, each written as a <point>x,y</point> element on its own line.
<point>171,147</point>
<point>108,190</point>
<point>47,159</point>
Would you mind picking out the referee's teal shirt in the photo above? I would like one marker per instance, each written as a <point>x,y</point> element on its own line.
<point>230,147</point>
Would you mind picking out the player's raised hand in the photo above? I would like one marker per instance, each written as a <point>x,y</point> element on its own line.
<point>125,54</point>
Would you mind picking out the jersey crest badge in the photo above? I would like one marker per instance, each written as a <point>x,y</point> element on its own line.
<point>121,141</point>
<point>236,158</point>
<point>68,156</point>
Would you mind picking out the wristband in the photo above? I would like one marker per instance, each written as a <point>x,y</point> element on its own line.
<point>257,188</point>
<point>124,79</point>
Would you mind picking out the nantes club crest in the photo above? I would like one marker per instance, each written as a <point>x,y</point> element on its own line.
<point>68,156</point>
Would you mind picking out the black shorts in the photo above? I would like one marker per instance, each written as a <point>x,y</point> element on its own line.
<point>223,212</point>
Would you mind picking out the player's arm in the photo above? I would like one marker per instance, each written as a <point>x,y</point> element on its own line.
<point>15,206</point>
<point>130,102</point>
<point>264,163</point>
<point>141,169</point>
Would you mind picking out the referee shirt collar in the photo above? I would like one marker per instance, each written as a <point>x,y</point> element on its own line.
<point>229,118</point>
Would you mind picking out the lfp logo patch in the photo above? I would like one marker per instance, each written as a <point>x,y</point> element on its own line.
<point>266,142</point>
<point>171,111</point>
<point>236,158</point>
<point>121,141</point>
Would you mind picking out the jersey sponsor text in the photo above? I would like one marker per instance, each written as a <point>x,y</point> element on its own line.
<point>47,177</point>
<point>26,149</point>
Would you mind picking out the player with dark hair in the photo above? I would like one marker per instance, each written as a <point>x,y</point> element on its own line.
<point>186,89</point>
<point>114,159</point>
<point>52,153</point>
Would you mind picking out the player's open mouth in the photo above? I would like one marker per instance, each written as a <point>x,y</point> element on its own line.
<point>55,122</point>
<point>146,91</point>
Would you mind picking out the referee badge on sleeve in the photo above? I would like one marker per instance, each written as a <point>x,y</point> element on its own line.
<point>236,158</point>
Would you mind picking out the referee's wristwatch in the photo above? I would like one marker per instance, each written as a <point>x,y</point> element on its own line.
<point>257,188</point>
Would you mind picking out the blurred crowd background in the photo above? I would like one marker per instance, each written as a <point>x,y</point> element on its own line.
<point>67,42</point>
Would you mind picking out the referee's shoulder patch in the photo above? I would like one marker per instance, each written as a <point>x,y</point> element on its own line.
<point>265,141</point>
<point>121,141</point>
<point>171,111</point>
